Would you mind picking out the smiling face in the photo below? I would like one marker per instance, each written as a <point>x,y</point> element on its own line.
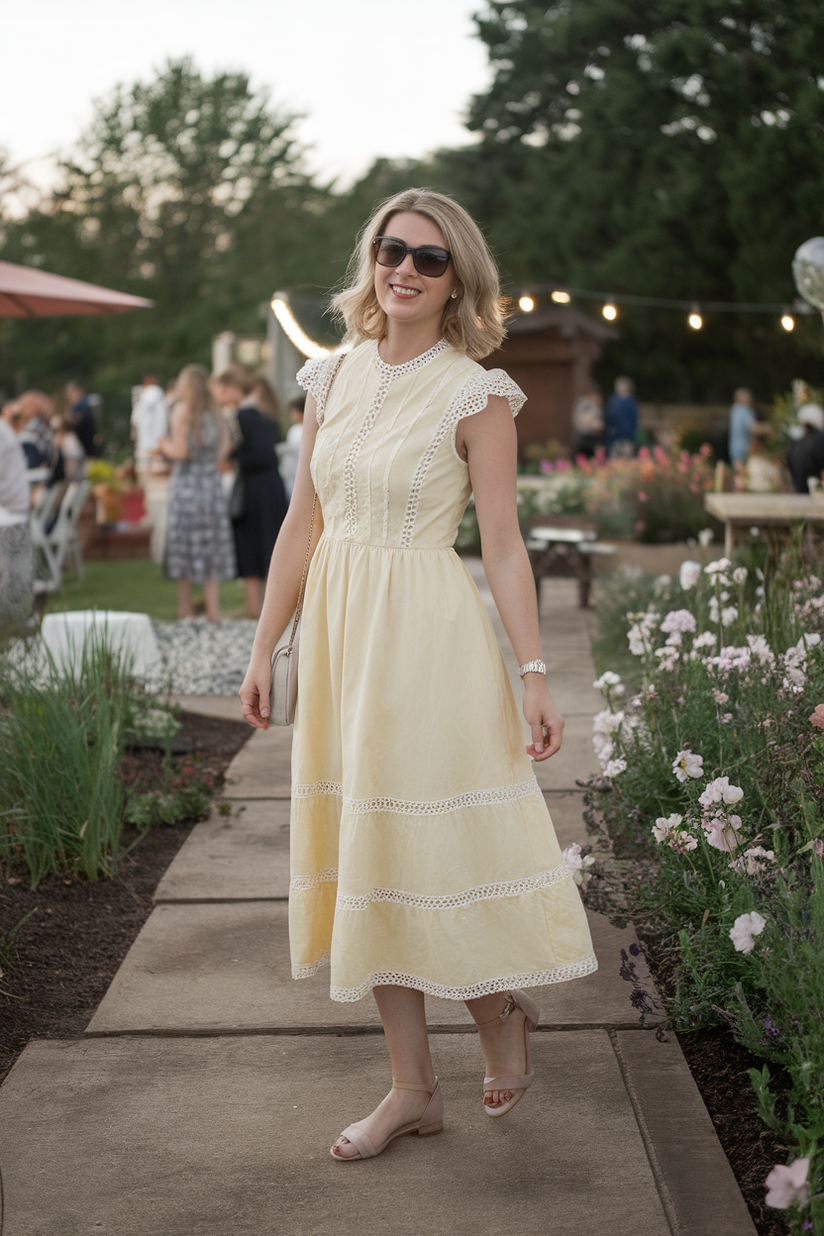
<point>407,297</point>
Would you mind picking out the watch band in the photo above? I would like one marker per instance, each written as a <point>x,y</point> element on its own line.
<point>532,667</point>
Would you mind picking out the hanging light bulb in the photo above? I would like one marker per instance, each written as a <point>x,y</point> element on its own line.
<point>526,304</point>
<point>788,321</point>
<point>561,298</point>
<point>695,320</point>
<point>610,312</point>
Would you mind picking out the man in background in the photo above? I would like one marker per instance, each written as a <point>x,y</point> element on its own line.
<point>742,419</point>
<point>36,437</point>
<point>80,415</point>
<point>805,457</point>
<point>621,420</point>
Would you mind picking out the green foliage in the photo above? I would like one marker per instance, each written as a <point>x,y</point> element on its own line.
<point>186,796</point>
<point>733,672</point>
<point>131,584</point>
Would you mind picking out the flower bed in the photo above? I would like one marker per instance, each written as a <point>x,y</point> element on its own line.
<point>713,781</point>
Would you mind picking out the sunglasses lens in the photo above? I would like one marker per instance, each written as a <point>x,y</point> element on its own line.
<point>431,262</point>
<point>389,252</point>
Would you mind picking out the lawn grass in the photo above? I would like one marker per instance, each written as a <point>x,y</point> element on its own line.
<point>138,586</point>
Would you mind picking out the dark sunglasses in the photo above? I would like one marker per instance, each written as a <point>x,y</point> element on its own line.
<point>428,260</point>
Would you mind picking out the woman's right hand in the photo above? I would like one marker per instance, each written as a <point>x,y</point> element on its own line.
<point>254,693</point>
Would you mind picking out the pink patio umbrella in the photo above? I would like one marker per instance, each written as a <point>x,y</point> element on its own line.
<point>29,293</point>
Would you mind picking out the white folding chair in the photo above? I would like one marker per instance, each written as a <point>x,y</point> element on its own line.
<point>54,545</point>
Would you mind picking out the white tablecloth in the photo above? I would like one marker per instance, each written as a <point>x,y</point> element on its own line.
<point>131,634</point>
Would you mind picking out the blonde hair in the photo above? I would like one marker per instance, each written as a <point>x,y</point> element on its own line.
<point>474,321</point>
<point>192,390</point>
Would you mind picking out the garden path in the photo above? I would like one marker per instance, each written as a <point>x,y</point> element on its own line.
<point>209,1085</point>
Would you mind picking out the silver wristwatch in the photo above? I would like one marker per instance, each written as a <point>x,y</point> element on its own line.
<point>532,667</point>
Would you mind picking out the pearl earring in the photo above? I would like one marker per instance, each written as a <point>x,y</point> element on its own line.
<point>454,295</point>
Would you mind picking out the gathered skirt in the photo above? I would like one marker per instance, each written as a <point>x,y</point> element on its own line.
<point>422,850</point>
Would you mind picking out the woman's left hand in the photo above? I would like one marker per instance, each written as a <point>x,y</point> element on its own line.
<point>542,715</point>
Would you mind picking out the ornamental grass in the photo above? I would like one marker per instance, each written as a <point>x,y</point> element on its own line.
<point>713,787</point>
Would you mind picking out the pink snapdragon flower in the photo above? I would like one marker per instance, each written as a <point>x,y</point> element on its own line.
<point>787,1183</point>
<point>743,932</point>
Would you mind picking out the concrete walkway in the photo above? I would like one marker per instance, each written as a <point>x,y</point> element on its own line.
<point>209,1085</point>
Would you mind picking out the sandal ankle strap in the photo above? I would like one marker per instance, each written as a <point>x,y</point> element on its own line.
<point>430,1089</point>
<point>509,1007</point>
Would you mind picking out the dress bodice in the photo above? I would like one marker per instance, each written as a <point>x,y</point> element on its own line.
<point>385,465</point>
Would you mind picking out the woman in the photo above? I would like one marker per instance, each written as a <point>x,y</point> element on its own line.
<point>261,498</point>
<point>424,858</point>
<point>198,534</point>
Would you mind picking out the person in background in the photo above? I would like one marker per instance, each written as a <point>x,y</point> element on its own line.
<point>150,423</point>
<point>258,503</point>
<point>71,462</point>
<point>13,415</point>
<point>805,457</point>
<point>762,473</point>
<point>80,415</point>
<point>16,559</point>
<point>198,532</point>
<point>621,420</point>
<point>587,424</point>
<point>289,451</point>
<point>36,437</point>
<point>742,420</point>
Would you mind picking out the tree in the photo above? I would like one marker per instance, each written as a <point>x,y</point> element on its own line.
<point>667,149</point>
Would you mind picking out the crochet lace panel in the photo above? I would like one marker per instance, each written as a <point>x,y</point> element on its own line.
<point>316,378</point>
<point>422,901</point>
<point>397,371</point>
<point>534,978</point>
<point>472,397</point>
<point>405,806</point>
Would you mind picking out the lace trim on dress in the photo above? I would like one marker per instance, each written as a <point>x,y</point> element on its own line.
<point>458,901</point>
<point>299,972</point>
<point>316,378</point>
<point>535,978</point>
<point>421,901</point>
<point>397,371</point>
<point>472,397</point>
<point>406,806</point>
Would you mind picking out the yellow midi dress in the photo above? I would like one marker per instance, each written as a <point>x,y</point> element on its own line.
<point>422,851</point>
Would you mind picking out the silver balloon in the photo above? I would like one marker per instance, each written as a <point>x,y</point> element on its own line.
<point>808,271</point>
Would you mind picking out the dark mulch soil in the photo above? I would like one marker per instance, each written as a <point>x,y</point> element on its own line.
<point>68,952</point>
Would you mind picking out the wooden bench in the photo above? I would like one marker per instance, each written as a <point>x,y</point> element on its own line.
<point>563,546</point>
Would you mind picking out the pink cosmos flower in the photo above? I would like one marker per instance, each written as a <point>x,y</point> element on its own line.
<point>787,1183</point>
<point>817,716</point>
<point>742,933</point>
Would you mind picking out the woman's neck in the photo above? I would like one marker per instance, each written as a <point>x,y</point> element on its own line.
<point>402,344</point>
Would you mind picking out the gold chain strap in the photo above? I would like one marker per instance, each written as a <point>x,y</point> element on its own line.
<point>303,576</point>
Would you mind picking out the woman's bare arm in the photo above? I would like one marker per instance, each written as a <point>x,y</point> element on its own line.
<point>283,581</point>
<point>489,442</point>
<point>175,444</point>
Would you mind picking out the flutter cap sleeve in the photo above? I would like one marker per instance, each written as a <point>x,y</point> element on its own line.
<point>473,397</point>
<point>316,378</point>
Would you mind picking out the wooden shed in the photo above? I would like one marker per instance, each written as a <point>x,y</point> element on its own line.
<point>550,353</point>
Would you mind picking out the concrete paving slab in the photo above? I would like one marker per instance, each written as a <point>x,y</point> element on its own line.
<point>202,968</point>
<point>180,1137</point>
<point>680,1138</point>
<point>226,707</point>
<point>575,761</point>
<point>567,811</point>
<point>262,767</point>
<point>240,857</point>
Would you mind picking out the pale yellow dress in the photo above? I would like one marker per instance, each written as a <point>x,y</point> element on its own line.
<point>423,853</point>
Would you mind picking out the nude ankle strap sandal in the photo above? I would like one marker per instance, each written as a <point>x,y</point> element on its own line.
<point>517,1084</point>
<point>430,1122</point>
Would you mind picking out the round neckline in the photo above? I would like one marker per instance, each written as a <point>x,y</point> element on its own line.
<point>411,365</point>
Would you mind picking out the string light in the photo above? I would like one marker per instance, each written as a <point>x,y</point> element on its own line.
<point>695,320</point>
<point>294,331</point>
<point>788,322</point>
<point>526,304</point>
<point>561,298</point>
<point>610,312</point>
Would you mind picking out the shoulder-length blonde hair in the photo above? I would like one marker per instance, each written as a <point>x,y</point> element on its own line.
<point>474,321</point>
<point>193,391</point>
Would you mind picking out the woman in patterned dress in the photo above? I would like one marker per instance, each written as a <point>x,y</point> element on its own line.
<point>199,546</point>
<point>423,857</point>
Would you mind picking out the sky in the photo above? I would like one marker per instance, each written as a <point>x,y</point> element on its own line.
<point>373,77</point>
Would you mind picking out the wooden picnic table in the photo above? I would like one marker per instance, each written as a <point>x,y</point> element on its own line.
<point>563,545</point>
<point>769,512</point>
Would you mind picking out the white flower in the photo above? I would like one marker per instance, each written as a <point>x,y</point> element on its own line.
<point>688,764</point>
<point>681,842</point>
<point>812,640</point>
<point>721,832</point>
<point>760,649</point>
<point>607,679</point>
<point>720,697</point>
<point>678,621</point>
<point>572,857</point>
<point>607,722</point>
<point>729,615</point>
<point>707,639</point>
<point>619,690</point>
<point>613,767</point>
<point>720,791</point>
<point>748,863</point>
<point>665,825</point>
<point>689,574</point>
<point>788,1183</point>
<point>740,575</point>
<point>662,582</point>
<point>744,930</point>
<point>705,537</point>
<point>604,747</point>
<point>718,568</point>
